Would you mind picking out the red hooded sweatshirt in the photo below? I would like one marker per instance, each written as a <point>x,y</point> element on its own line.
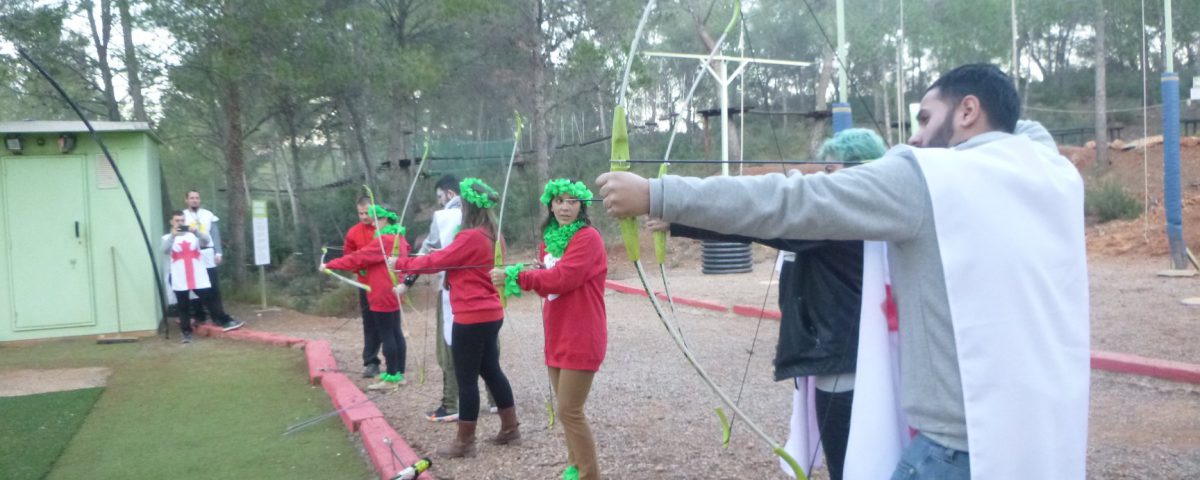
<point>575,319</point>
<point>370,257</point>
<point>359,236</point>
<point>472,296</point>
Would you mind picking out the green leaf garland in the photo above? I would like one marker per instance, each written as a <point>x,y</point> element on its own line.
<point>557,237</point>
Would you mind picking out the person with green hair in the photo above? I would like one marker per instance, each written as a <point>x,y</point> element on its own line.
<point>478,316</point>
<point>820,296</point>
<point>852,146</point>
<point>572,265</point>
<point>383,314</point>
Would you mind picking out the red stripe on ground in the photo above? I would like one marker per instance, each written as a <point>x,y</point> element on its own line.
<point>623,288</point>
<point>755,312</point>
<point>1151,367</point>
<point>691,302</point>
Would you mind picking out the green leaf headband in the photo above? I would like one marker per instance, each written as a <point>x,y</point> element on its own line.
<point>377,211</point>
<point>559,186</point>
<point>390,230</point>
<point>468,193</point>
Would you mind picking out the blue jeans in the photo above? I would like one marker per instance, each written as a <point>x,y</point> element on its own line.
<point>925,459</point>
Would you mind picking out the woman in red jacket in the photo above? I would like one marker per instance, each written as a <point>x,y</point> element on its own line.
<point>478,316</point>
<point>571,278</point>
<point>383,306</point>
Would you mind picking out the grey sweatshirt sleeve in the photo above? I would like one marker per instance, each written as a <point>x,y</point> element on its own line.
<point>166,243</point>
<point>215,240</point>
<point>206,240</point>
<point>882,200</point>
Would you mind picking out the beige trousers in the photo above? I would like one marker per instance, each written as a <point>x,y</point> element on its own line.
<point>571,389</point>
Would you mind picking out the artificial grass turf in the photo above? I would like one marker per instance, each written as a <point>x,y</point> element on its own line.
<point>37,428</point>
<point>212,409</point>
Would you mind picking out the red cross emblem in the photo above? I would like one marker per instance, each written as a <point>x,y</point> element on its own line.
<point>187,256</point>
<point>890,312</point>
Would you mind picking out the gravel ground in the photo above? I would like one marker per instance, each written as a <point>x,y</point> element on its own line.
<point>653,417</point>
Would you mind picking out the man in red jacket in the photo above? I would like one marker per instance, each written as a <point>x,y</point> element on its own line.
<point>359,236</point>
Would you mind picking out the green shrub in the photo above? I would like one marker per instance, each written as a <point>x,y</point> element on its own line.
<point>336,302</point>
<point>1108,201</point>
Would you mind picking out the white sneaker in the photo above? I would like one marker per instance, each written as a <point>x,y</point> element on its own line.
<point>384,385</point>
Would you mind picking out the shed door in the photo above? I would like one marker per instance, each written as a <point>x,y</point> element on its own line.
<point>46,212</point>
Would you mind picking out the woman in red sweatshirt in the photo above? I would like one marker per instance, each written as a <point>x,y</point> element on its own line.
<point>478,316</point>
<point>383,306</point>
<point>571,278</point>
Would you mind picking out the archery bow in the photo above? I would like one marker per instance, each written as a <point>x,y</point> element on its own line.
<point>396,253</point>
<point>629,234</point>
<point>499,254</point>
<point>503,197</point>
<point>345,280</point>
<point>383,251</point>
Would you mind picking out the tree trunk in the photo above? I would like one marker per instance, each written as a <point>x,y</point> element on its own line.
<point>100,39</point>
<point>360,139</point>
<point>1101,95</point>
<point>132,67</point>
<point>817,128</point>
<point>279,196</point>
<point>541,133</point>
<point>295,179</point>
<point>235,162</point>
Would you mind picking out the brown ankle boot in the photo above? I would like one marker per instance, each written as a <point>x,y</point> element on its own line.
<point>509,434</point>
<point>463,444</point>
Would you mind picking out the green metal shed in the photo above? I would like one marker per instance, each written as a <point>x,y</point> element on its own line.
<point>72,259</point>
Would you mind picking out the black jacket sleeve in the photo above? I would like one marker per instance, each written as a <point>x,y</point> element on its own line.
<point>798,246</point>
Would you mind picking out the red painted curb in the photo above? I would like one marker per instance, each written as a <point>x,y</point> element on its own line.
<point>341,390</point>
<point>207,330</point>
<point>346,395</point>
<point>623,288</point>
<point>1151,367</point>
<point>691,302</point>
<point>755,312</point>
<point>353,417</point>
<point>373,433</point>
<point>320,360</point>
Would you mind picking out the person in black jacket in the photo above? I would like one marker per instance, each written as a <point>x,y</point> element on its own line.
<point>820,296</point>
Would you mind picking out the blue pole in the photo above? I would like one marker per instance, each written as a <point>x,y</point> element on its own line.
<point>1172,197</point>
<point>841,117</point>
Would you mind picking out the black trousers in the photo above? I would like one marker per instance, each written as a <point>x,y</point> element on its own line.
<point>387,326</point>
<point>186,304</point>
<point>833,416</point>
<point>476,350</point>
<point>371,340</point>
<point>215,307</point>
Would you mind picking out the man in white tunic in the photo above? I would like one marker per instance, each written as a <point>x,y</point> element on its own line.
<point>985,247</point>
<point>441,233</point>
<point>203,221</point>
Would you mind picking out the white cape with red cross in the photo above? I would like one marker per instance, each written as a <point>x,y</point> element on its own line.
<point>1009,221</point>
<point>187,270</point>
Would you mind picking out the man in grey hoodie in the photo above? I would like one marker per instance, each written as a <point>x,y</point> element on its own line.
<point>972,111</point>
